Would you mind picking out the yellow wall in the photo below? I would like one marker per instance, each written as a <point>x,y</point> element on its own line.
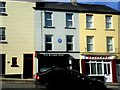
<point>19,24</point>
<point>99,32</point>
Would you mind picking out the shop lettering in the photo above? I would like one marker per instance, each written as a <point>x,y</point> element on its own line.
<point>53,54</point>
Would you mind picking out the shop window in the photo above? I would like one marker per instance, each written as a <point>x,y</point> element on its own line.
<point>14,62</point>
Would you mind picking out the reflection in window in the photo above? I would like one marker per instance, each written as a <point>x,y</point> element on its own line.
<point>48,42</point>
<point>99,68</point>
<point>93,68</point>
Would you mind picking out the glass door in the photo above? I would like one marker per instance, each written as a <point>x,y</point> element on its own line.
<point>107,71</point>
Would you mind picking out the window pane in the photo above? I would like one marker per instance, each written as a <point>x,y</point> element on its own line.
<point>89,47</point>
<point>93,68</point>
<point>108,18</point>
<point>48,46</point>
<point>48,15</point>
<point>69,42</point>
<point>89,43</point>
<point>69,24</point>
<point>48,19</point>
<point>108,22</point>
<point>2,7</point>
<point>2,4</point>
<point>2,33</point>
<point>48,42</point>
<point>105,69</point>
<point>69,39</point>
<point>48,23</point>
<point>109,44</point>
<point>48,39</point>
<point>108,66</point>
<point>69,21</point>
<point>69,47</point>
<point>89,25</point>
<point>89,18</point>
<point>69,16</point>
<point>99,68</point>
<point>89,22</point>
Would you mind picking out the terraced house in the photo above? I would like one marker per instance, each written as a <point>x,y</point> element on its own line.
<point>37,36</point>
<point>17,38</point>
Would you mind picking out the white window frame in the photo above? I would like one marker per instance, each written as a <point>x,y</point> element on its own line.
<point>69,20</point>
<point>51,36</point>
<point>49,19</point>
<point>110,44</point>
<point>70,43</point>
<point>89,44</point>
<point>89,22</point>
<point>3,7</point>
<point>96,67</point>
<point>108,23</point>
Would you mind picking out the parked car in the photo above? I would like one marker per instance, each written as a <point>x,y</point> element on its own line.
<point>56,78</point>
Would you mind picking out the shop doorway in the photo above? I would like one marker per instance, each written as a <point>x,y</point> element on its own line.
<point>107,71</point>
<point>75,64</point>
<point>28,66</point>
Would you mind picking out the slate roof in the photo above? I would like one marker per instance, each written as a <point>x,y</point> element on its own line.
<point>71,7</point>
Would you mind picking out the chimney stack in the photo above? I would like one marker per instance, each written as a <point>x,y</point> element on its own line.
<point>74,2</point>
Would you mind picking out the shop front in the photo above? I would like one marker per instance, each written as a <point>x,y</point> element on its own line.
<point>63,60</point>
<point>100,66</point>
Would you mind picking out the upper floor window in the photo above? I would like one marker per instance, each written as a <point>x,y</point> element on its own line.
<point>2,7</point>
<point>2,34</point>
<point>90,43</point>
<point>48,19</point>
<point>48,42</point>
<point>109,44</point>
<point>89,21</point>
<point>108,22</point>
<point>69,20</point>
<point>69,42</point>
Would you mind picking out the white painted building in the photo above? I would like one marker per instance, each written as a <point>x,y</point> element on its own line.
<point>56,38</point>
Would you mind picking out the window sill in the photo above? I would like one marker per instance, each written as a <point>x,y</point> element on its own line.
<point>14,66</point>
<point>107,29</point>
<point>49,27</point>
<point>70,28</point>
<point>3,42</point>
<point>90,28</point>
<point>3,14</point>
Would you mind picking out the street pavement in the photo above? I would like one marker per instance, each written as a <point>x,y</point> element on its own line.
<point>28,84</point>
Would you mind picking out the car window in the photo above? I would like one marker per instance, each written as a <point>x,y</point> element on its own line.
<point>43,69</point>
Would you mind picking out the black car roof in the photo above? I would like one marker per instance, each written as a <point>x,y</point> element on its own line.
<point>78,7</point>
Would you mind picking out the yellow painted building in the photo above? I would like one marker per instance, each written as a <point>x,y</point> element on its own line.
<point>17,40</point>
<point>99,45</point>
